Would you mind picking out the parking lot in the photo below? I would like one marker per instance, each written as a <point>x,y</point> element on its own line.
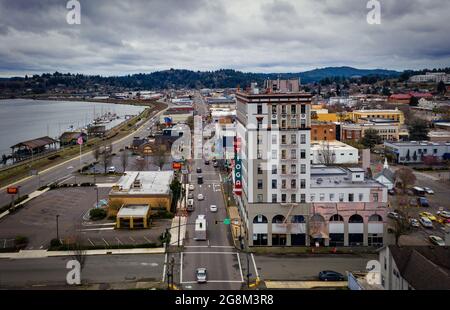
<point>38,221</point>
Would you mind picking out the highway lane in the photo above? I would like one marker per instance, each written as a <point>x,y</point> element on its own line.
<point>51,271</point>
<point>66,169</point>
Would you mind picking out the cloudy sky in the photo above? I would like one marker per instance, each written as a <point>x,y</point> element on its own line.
<point>118,37</point>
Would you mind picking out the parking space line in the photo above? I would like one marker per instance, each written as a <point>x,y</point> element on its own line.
<point>105,241</point>
<point>4,244</point>
<point>147,239</point>
<point>118,241</point>
<point>240,267</point>
<point>131,238</point>
<point>254,265</point>
<point>92,243</point>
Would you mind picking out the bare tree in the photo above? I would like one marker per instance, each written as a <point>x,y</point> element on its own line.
<point>124,159</point>
<point>106,156</point>
<point>159,157</point>
<point>96,152</point>
<point>140,164</point>
<point>75,244</point>
<point>326,154</point>
<point>405,178</point>
<point>401,222</point>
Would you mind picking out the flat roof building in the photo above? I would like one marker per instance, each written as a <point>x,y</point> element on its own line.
<point>133,216</point>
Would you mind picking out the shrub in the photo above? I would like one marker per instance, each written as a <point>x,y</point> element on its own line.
<point>55,243</point>
<point>20,240</point>
<point>42,188</point>
<point>53,157</point>
<point>97,214</point>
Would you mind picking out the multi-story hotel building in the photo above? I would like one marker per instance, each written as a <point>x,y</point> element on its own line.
<point>278,203</point>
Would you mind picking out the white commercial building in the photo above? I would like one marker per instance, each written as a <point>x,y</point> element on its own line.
<point>409,152</point>
<point>333,152</point>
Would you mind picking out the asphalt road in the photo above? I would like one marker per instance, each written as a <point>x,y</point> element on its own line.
<point>97,269</point>
<point>66,170</point>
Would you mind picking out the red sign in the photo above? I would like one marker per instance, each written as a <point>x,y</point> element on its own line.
<point>176,166</point>
<point>237,191</point>
<point>12,190</point>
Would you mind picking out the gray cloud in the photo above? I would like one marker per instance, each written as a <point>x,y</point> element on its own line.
<point>120,37</point>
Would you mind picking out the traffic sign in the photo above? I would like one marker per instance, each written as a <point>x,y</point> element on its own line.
<point>12,190</point>
<point>227,221</point>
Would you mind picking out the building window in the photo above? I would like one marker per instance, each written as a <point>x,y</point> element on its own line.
<point>302,168</point>
<point>259,154</point>
<point>259,109</point>
<point>260,184</point>
<point>293,169</point>
<point>283,154</point>
<point>274,154</point>
<point>259,198</point>
<point>283,124</point>
<point>302,139</point>
<point>274,198</point>
<point>274,169</point>
<point>274,139</point>
<point>283,184</point>
<point>293,123</point>
<point>361,196</point>
<point>350,197</point>
<point>341,197</point>
<point>303,123</point>
<point>293,139</point>
<point>293,198</point>
<point>274,109</point>
<point>303,109</point>
<point>283,169</point>
<point>331,197</point>
<point>283,139</point>
<point>283,198</point>
<point>375,197</point>
<point>302,198</point>
<point>313,197</point>
<point>294,154</point>
<point>274,184</point>
<point>283,109</point>
<point>322,197</point>
<point>302,183</point>
<point>260,169</point>
<point>293,184</point>
<point>302,154</point>
<point>259,123</point>
<point>293,109</point>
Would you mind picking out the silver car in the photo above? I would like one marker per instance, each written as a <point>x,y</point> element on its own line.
<point>201,275</point>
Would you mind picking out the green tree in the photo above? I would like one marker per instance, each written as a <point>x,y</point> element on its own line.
<point>441,89</point>
<point>418,130</point>
<point>371,138</point>
<point>175,187</point>
<point>414,102</point>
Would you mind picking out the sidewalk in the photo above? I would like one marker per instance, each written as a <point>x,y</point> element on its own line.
<point>179,221</point>
<point>305,284</point>
<point>30,197</point>
<point>27,254</point>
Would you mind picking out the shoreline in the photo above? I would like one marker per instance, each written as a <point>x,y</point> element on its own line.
<point>138,102</point>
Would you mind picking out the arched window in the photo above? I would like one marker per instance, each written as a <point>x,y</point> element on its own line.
<point>375,218</point>
<point>278,219</point>
<point>297,219</point>
<point>336,218</point>
<point>356,218</point>
<point>317,218</point>
<point>259,219</point>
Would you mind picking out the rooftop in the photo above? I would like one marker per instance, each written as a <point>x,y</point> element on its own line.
<point>143,182</point>
<point>133,210</point>
<point>339,177</point>
<point>333,145</point>
<point>416,143</point>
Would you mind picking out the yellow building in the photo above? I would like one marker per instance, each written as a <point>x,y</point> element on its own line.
<point>395,115</point>
<point>150,188</point>
<point>327,117</point>
<point>133,216</point>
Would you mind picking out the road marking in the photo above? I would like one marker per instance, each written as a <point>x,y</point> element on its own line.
<point>93,229</point>
<point>164,269</point>
<point>147,239</point>
<point>254,265</point>
<point>181,268</point>
<point>233,253</point>
<point>118,241</point>
<point>213,281</point>
<point>211,246</point>
<point>105,241</point>
<point>92,243</point>
<point>240,267</point>
<point>131,238</point>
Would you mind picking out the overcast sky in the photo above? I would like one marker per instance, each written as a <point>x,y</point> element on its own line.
<point>120,37</point>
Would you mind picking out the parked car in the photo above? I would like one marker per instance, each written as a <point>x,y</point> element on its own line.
<point>206,162</point>
<point>422,202</point>
<point>428,190</point>
<point>201,275</point>
<point>428,215</point>
<point>329,275</point>
<point>426,222</point>
<point>190,195</point>
<point>190,205</point>
<point>200,179</point>
<point>213,208</point>
<point>191,187</point>
<point>414,223</point>
<point>200,197</point>
<point>199,170</point>
<point>444,214</point>
<point>437,240</point>
<point>216,164</point>
<point>393,215</point>
<point>111,169</point>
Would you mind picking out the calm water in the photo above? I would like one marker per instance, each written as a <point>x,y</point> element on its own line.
<point>23,119</point>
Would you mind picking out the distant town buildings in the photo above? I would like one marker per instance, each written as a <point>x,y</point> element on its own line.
<point>409,152</point>
<point>434,77</point>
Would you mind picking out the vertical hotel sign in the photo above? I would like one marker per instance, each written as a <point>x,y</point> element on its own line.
<point>237,168</point>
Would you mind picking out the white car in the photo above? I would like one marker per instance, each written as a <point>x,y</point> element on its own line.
<point>111,169</point>
<point>426,222</point>
<point>414,223</point>
<point>200,197</point>
<point>213,208</point>
<point>200,274</point>
<point>437,240</point>
<point>444,214</point>
<point>428,190</point>
<point>191,187</point>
